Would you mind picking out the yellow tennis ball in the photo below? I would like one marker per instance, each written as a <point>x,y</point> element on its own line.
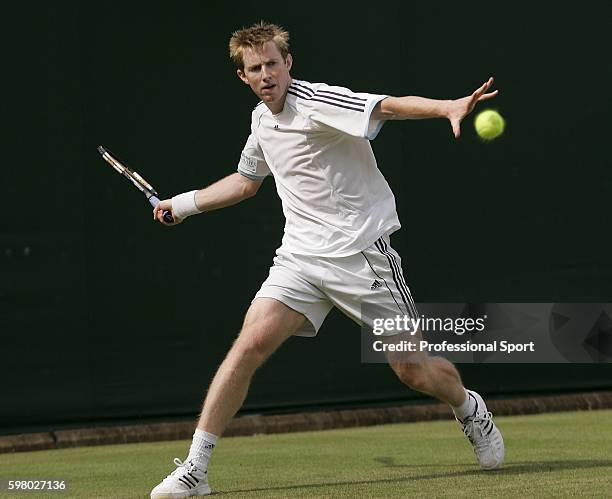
<point>489,124</point>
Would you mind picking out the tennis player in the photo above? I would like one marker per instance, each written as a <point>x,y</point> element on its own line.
<point>313,139</point>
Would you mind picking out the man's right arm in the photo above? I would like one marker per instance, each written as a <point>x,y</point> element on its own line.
<point>225,192</point>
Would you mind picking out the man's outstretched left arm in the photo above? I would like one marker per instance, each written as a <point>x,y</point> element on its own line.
<point>417,108</point>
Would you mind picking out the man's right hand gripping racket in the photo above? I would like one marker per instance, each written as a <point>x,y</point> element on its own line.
<point>141,184</point>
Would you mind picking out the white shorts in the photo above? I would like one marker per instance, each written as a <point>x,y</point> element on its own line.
<point>364,286</point>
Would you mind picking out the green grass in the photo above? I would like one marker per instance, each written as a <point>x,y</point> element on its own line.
<point>549,455</point>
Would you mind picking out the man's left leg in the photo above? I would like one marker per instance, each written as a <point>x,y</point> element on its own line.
<point>438,378</point>
<point>434,376</point>
<point>370,285</point>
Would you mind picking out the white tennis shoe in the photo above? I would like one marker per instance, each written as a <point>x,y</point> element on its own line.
<point>187,480</point>
<point>484,436</point>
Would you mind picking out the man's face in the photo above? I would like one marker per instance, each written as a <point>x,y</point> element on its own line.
<point>267,73</point>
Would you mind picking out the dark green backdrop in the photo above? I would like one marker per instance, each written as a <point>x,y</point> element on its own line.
<point>105,315</point>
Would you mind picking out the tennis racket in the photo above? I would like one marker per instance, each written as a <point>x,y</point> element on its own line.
<point>141,184</point>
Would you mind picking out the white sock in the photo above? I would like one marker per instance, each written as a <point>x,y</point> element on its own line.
<point>467,409</point>
<point>201,448</point>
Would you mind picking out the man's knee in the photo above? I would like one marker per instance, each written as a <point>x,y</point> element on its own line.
<point>415,375</point>
<point>251,347</point>
<point>267,324</point>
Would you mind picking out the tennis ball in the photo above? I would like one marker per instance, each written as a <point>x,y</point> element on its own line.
<point>489,124</point>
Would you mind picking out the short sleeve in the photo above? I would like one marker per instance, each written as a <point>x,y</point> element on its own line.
<point>339,107</point>
<point>252,163</point>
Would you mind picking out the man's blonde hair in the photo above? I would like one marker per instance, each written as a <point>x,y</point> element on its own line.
<point>255,37</point>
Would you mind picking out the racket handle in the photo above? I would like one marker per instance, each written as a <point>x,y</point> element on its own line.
<point>154,200</point>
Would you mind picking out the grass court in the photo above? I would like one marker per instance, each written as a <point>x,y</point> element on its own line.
<point>549,455</point>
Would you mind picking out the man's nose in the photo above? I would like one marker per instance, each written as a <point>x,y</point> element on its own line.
<point>265,72</point>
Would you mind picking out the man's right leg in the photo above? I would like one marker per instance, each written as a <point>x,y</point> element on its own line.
<point>268,323</point>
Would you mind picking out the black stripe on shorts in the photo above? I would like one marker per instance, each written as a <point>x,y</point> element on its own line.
<point>397,278</point>
<point>401,275</point>
<point>385,281</point>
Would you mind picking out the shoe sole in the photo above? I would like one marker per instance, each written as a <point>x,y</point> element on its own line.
<point>198,491</point>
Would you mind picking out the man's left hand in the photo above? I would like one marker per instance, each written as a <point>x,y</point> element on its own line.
<point>460,108</point>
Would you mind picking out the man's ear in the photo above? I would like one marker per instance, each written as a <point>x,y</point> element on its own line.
<point>242,76</point>
<point>289,62</point>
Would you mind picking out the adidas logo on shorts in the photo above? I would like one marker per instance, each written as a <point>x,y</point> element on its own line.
<point>375,285</point>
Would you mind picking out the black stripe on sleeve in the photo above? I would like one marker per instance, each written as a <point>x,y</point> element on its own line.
<point>342,95</point>
<point>319,94</point>
<point>301,92</point>
<point>338,99</point>
<point>307,89</point>
<point>338,105</point>
<point>331,103</point>
<point>330,93</point>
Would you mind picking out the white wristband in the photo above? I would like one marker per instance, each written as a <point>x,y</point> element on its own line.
<point>184,205</point>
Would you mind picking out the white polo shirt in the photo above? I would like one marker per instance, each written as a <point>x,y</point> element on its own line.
<point>335,199</point>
